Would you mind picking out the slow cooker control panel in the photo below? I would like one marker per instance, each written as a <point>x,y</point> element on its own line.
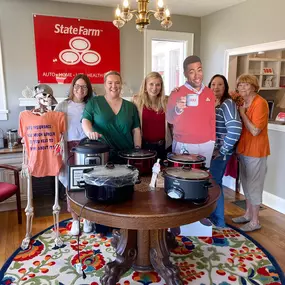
<point>175,193</point>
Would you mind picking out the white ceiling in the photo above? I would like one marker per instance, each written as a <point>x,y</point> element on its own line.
<point>197,8</point>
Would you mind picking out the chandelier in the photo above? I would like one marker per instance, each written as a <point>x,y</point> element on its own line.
<point>142,15</point>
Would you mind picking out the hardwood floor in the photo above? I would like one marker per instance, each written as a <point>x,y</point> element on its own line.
<point>271,236</point>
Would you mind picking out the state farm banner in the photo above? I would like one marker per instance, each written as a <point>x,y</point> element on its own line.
<point>68,46</point>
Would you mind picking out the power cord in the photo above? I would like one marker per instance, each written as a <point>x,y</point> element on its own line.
<point>78,237</point>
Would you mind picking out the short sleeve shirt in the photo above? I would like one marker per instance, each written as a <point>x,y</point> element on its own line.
<point>41,134</point>
<point>116,130</point>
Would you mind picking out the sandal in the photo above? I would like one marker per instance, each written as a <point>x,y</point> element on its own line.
<point>250,227</point>
<point>240,220</point>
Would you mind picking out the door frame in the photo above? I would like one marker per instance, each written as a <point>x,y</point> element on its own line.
<point>149,35</point>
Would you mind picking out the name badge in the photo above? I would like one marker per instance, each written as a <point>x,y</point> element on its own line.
<point>192,100</point>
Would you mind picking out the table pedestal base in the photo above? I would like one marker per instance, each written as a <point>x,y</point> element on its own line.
<point>143,250</point>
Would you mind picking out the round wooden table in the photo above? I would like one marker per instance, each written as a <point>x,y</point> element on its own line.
<point>143,242</point>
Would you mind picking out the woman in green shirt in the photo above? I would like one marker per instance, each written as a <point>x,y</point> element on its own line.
<point>112,119</point>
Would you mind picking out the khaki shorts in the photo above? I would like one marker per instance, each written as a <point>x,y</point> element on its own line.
<point>252,176</point>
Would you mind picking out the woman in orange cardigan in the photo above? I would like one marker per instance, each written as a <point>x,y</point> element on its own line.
<point>253,149</point>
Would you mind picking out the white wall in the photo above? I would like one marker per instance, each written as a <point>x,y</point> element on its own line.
<point>17,38</point>
<point>252,22</point>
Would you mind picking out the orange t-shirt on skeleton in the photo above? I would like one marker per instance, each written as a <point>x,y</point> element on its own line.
<point>41,134</point>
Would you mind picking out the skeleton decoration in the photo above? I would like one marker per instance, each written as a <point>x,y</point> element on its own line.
<point>44,95</point>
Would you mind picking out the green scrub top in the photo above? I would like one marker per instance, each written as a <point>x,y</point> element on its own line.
<point>116,130</point>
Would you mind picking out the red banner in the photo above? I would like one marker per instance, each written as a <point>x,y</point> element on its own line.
<point>68,46</point>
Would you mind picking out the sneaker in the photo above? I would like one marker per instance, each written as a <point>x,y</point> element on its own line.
<point>74,228</point>
<point>87,226</point>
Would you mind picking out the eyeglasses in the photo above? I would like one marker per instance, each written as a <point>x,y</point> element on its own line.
<point>83,87</point>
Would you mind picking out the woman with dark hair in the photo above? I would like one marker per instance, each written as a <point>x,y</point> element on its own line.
<point>228,130</point>
<point>79,93</point>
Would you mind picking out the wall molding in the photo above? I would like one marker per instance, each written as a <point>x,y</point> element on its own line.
<point>3,100</point>
<point>250,49</point>
<point>274,202</point>
<point>31,102</point>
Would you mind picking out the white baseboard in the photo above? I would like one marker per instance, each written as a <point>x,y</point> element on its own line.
<point>12,206</point>
<point>272,201</point>
<point>230,182</point>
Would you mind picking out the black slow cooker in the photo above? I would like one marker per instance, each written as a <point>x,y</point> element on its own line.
<point>91,152</point>
<point>110,183</point>
<point>186,183</point>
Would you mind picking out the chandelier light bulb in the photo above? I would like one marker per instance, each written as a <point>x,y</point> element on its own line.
<point>167,13</point>
<point>126,3</point>
<point>118,12</point>
<point>139,28</point>
<point>160,3</point>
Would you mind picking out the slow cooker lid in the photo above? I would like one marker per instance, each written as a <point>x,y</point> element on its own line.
<point>188,174</point>
<point>112,175</point>
<point>185,158</point>
<point>137,153</point>
<point>87,146</point>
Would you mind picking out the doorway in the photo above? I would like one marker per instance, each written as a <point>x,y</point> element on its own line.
<point>165,52</point>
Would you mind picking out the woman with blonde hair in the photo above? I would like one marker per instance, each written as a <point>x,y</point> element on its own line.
<point>151,103</point>
<point>253,149</point>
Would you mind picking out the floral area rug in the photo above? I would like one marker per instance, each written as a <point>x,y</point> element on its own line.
<point>228,257</point>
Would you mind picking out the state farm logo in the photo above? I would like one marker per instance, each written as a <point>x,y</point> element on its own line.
<point>79,51</point>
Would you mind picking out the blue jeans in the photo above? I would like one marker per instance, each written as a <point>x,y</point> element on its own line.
<point>217,169</point>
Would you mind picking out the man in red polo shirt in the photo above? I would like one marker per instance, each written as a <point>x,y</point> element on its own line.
<point>191,110</point>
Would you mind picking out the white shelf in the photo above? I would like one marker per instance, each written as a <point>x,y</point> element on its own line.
<point>271,88</point>
<point>265,59</point>
<point>258,74</point>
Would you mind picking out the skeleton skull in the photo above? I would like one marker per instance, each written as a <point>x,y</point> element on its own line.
<point>44,94</point>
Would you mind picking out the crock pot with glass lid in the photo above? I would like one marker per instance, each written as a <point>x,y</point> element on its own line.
<point>186,158</point>
<point>110,183</point>
<point>142,159</point>
<point>186,183</point>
